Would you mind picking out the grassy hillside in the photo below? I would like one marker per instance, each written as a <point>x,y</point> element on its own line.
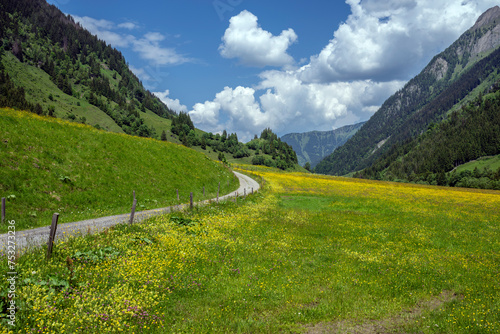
<point>39,88</point>
<point>491,163</point>
<point>308,254</point>
<point>68,72</point>
<point>50,165</point>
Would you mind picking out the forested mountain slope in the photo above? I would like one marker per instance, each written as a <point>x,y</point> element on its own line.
<point>468,65</point>
<point>51,65</point>
<point>467,134</point>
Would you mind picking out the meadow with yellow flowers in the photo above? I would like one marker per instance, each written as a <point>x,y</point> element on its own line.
<point>307,254</point>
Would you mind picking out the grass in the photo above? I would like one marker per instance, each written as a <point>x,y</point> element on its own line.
<point>492,163</point>
<point>49,165</point>
<point>307,254</point>
<point>159,124</point>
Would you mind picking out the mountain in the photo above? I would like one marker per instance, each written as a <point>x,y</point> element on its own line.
<point>313,146</point>
<point>50,65</point>
<point>469,133</point>
<point>453,78</point>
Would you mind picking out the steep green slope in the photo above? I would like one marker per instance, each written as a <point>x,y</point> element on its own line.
<point>467,134</point>
<point>313,146</point>
<point>39,88</point>
<point>67,72</point>
<point>425,99</point>
<point>49,165</point>
<point>50,65</point>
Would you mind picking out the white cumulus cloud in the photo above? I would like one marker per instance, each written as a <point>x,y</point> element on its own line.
<point>381,44</point>
<point>206,115</point>
<point>285,103</point>
<point>245,40</point>
<point>391,40</point>
<point>173,104</point>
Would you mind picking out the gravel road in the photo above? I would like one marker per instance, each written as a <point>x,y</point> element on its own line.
<point>39,236</point>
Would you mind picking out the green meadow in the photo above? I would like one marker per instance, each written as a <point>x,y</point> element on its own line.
<point>307,254</point>
<point>49,165</point>
<point>491,163</point>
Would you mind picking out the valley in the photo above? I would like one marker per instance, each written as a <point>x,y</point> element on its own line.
<point>388,225</point>
<point>307,253</point>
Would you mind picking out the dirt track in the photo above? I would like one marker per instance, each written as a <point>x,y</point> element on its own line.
<point>39,236</point>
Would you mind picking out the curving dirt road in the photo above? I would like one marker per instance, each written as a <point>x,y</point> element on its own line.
<point>39,236</point>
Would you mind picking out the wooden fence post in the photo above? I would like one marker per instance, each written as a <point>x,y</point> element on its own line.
<point>252,190</point>
<point>132,214</point>
<point>52,235</point>
<point>3,209</point>
<point>191,200</point>
<point>244,192</point>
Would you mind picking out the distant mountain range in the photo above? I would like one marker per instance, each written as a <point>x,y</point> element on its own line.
<point>313,146</point>
<point>457,90</point>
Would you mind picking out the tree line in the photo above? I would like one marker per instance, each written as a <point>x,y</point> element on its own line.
<point>268,149</point>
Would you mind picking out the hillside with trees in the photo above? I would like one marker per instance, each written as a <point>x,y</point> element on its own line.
<point>467,134</point>
<point>266,150</point>
<point>281,154</point>
<point>454,78</point>
<point>85,76</point>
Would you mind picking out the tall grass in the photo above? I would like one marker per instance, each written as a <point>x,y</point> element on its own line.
<point>48,165</point>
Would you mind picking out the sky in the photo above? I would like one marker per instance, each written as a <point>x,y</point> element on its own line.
<point>293,66</point>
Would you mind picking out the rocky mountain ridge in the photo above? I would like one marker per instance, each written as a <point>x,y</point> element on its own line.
<point>409,111</point>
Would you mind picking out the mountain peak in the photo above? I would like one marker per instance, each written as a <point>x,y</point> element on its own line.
<point>487,17</point>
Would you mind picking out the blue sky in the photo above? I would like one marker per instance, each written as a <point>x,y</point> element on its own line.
<point>294,66</point>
